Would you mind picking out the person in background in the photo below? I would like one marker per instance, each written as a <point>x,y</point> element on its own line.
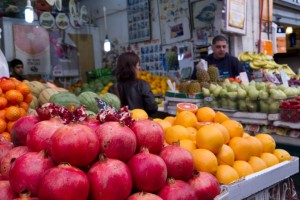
<point>229,66</point>
<point>17,69</point>
<point>134,92</point>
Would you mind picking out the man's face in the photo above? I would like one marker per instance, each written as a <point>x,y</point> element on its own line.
<point>219,49</point>
<point>18,69</point>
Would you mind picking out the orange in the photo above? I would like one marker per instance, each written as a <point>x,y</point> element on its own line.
<point>7,84</point>
<point>246,135</point>
<point>193,131</point>
<point>243,168</point>
<point>241,148</point>
<point>205,161</point>
<point>186,107</point>
<point>164,124</point>
<point>10,125</point>
<point>282,155</point>
<point>210,138</point>
<point>28,98</point>
<point>225,156</point>
<point>205,114</point>
<point>6,135</point>
<point>200,124</point>
<point>188,145</point>
<point>268,142</point>
<point>220,117</point>
<point>22,112</point>
<point>235,128</point>
<point>176,133</point>
<point>170,119</point>
<point>23,88</point>
<point>3,102</point>
<point>269,158</point>
<point>2,125</point>
<point>256,145</point>
<point>14,97</point>
<point>224,132</point>
<point>12,113</point>
<point>226,174</point>
<point>185,118</point>
<point>24,105</point>
<point>2,114</point>
<point>139,114</point>
<point>257,163</point>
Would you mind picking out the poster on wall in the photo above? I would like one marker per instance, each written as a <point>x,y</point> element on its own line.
<point>31,44</point>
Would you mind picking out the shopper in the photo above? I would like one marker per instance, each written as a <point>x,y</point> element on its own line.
<point>132,91</point>
<point>229,66</point>
<point>17,69</point>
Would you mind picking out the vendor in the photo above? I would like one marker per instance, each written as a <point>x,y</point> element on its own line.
<point>229,66</point>
<point>17,69</point>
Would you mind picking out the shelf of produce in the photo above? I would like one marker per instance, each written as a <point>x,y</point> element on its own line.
<point>287,124</point>
<point>286,140</point>
<point>259,181</point>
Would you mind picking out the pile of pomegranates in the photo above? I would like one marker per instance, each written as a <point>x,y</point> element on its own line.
<point>63,154</point>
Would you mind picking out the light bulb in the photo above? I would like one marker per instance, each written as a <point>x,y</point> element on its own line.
<point>289,30</point>
<point>29,12</point>
<point>107,45</point>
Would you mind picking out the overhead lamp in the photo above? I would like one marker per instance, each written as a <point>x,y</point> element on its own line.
<point>29,12</point>
<point>289,30</point>
<point>107,45</point>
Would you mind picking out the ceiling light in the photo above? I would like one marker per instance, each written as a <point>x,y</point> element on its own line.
<point>107,45</point>
<point>29,12</point>
<point>289,30</point>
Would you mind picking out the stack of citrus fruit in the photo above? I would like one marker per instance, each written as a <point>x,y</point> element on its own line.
<point>15,97</point>
<point>219,144</point>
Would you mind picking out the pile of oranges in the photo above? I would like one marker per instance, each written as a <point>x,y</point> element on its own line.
<point>219,144</point>
<point>15,97</point>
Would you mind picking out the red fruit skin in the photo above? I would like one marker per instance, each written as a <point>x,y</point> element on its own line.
<point>177,189</point>
<point>148,134</point>
<point>38,138</point>
<point>179,161</point>
<point>27,170</point>
<point>149,171</point>
<point>9,158</point>
<point>206,185</point>
<point>21,128</point>
<point>64,182</point>
<point>93,123</point>
<point>5,147</point>
<point>116,141</point>
<point>6,192</point>
<point>75,144</point>
<point>144,196</point>
<point>112,177</point>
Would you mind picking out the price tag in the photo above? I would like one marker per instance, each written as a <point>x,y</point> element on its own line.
<point>244,78</point>
<point>208,99</point>
<point>284,78</point>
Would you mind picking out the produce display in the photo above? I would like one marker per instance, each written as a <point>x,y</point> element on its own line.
<point>157,83</point>
<point>290,110</point>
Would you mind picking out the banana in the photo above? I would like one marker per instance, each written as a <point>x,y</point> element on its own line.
<point>260,63</point>
<point>253,66</point>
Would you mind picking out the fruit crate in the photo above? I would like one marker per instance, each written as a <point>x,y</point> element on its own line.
<point>290,115</point>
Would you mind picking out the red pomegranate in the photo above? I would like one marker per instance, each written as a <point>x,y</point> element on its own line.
<point>9,158</point>
<point>179,161</point>
<point>75,144</point>
<point>148,134</point>
<point>21,128</point>
<point>110,176</point>
<point>116,140</point>
<point>64,182</point>
<point>27,170</point>
<point>38,138</point>
<point>5,147</point>
<point>6,192</point>
<point>144,196</point>
<point>176,190</point>
<point>206,185</point>
<point>91,122</point>
<point>148,170</point>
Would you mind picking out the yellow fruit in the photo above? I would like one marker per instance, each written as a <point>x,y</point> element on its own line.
<point>205,160</point>
<point>220,117</point>
<point>210,138</point>
<point>139,114</point>
<point>257,163</point>
<point>185,118</point>
<point>282,155</point>
<point>193,131</point>
<point>225,156</point>
<point>268,142</point>
<point>176,133</point>
<point>241,148</point>
<point>256,145</point>
<point>188,145</point>
<point>243,168</point>
<point>269,158</point>
<point>226,174</point>
<point>223,130</point>
<point>235,128</point>
<point>164,124</point>
<point>170,119</point>
<point>186,107</point>
<point>205,114</point>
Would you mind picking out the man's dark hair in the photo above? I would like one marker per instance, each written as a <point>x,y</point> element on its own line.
<point>219,38</point>
<point>15,62</point>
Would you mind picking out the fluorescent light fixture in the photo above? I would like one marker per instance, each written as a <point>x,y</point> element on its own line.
<point>289,30</point>
<point>107,45</point>
<point>29,12</point>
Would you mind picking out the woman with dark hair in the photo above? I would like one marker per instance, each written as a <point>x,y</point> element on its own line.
<point>134,92</point>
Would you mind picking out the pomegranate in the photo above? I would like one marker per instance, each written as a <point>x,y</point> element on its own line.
<point>5,147</point>
<point>179,161</point>
<point>116,140</point>
<point>64,182</point>
<point>148,134</point>
<point>105,178</point>
<point>9,158</point>
<point>75,144</point>
<point>91,122</point>
<point>6,192</point>
<point>144,196</point>
<point>21,128</point>
<point>206,185</point>
<point>26,196</point>
<point>177,190</point>
<point>38,138</point>
<point>148,170</point>
<point>27,170</point>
